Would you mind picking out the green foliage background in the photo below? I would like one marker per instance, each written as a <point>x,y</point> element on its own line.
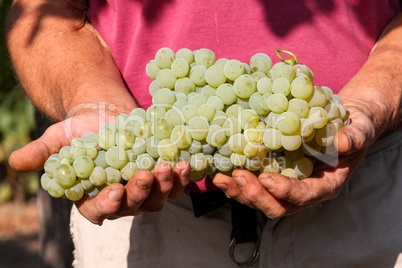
<point>16,123</point>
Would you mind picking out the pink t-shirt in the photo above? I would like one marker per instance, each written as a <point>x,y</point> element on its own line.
<point>333,38</point>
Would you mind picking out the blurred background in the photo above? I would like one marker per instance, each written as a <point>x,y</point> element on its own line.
<point>33,227</point>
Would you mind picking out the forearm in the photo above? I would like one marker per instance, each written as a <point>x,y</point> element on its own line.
<point>60,59</point>
<point>377,87</point>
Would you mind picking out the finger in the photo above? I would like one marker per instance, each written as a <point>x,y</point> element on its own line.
<point>106,203</point>
<point>228,186</point>
<point>136,191</point>
<point>181,179</point>
<point>161,187</point>
<point>32,156</point>
<point>359,134</point>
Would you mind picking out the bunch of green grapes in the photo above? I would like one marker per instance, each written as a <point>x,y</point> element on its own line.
<point>217,114</point>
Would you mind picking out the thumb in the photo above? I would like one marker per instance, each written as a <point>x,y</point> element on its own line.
<point>359,134</point>
<point>32,156</point>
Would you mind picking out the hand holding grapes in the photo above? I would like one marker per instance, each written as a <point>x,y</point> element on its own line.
<point>277,195</point>
<point>145,192</point>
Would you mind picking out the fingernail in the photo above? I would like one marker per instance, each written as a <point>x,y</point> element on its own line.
<point>115,194</point>
<point>240,180</point>
<point>164,176</point>
<point>268,182</point>
<point>143,185</point>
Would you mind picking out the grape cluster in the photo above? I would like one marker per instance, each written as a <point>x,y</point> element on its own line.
<point>217,114</point>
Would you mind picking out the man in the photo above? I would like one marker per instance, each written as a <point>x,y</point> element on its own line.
<point>69,58</point>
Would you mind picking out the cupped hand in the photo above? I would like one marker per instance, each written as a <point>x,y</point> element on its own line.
<point>277,195</point>
<point>145,191</point>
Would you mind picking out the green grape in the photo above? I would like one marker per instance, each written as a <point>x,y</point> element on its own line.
<point>125,137</point>
<point>231,126</point>
<point>65,153</point>
<point>234,110</point>
<point>303,167</point>
<point>325,136</point>
<point>195,147</point>
<point>180,67</point>
<point>216,102</point>
<point>64,175</point>
<point>164,57</point>
<point>100,160</point>
<point>153,87</point>
<point>306,128</point>
<point>290,172</point>
<point>255,102</point>
<point>244,86</point>
<point>164,96</point>
<point>198,128</point>
<point>184,156</point>
<point>162,128</point>
<point>139,146</point>
<point>198,162</point>
<point>226,93</point>
<point>197,75</point>
<point>272,138</point>
<point>332,110</point>
<point>222,163</point>
<point>270,165</point>
<point>196,99</point>
<point>264,85</point>
<point>277,103</point>
<point>216,136</point>
<point>271,119</point>
<point>207,148</point>
<point>208,91</point>
<point>299,107</point>
<point>219,118</point>
<point>318,98</point>
<point>112,175</point>
<point>54,189</point>
<point>50,165</point>
<point>106,137</point>
<point>128,171</point>
<point>83,166</point>
<point>249,119</point>
<point>98,176</point>
<point>154,112</point>
<point>302,88</point>
<point>253,164</point>
<point>251,149</point>
<point>237,142</point>
<point>304,69</point>
<point>318,117</point>
<point>260,62</point>
<point>221,61</point>
<point>184,85</point>
<point>145,161</point>
<point>168,150</point>
<point>233,69</point>
<point>152,144</point>
<point>186,54</point>
<point>120,122</point>
<point>116,157</point>
<point>238,160</point>
<point>152,69</point>
<point>258,75</point>
<point>204,57</point>
<point>197,175</point>
<point>284,162</point>
<point>243,102</point>
<point>181,136</point>
<point>215,76</point>
<point>207,110</point>
<point>165,79</point>
<point>189,111</point>
<point>282,69</point>
<point>288,123</point>
<point>281,85</point>
<point>86,184</point>
<point>77,151</point>
<point>291,142</point>
<point>175,117</point>
<point>44,180</point>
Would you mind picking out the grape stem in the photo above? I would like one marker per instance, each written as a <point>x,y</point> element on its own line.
<point>292,61</point>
